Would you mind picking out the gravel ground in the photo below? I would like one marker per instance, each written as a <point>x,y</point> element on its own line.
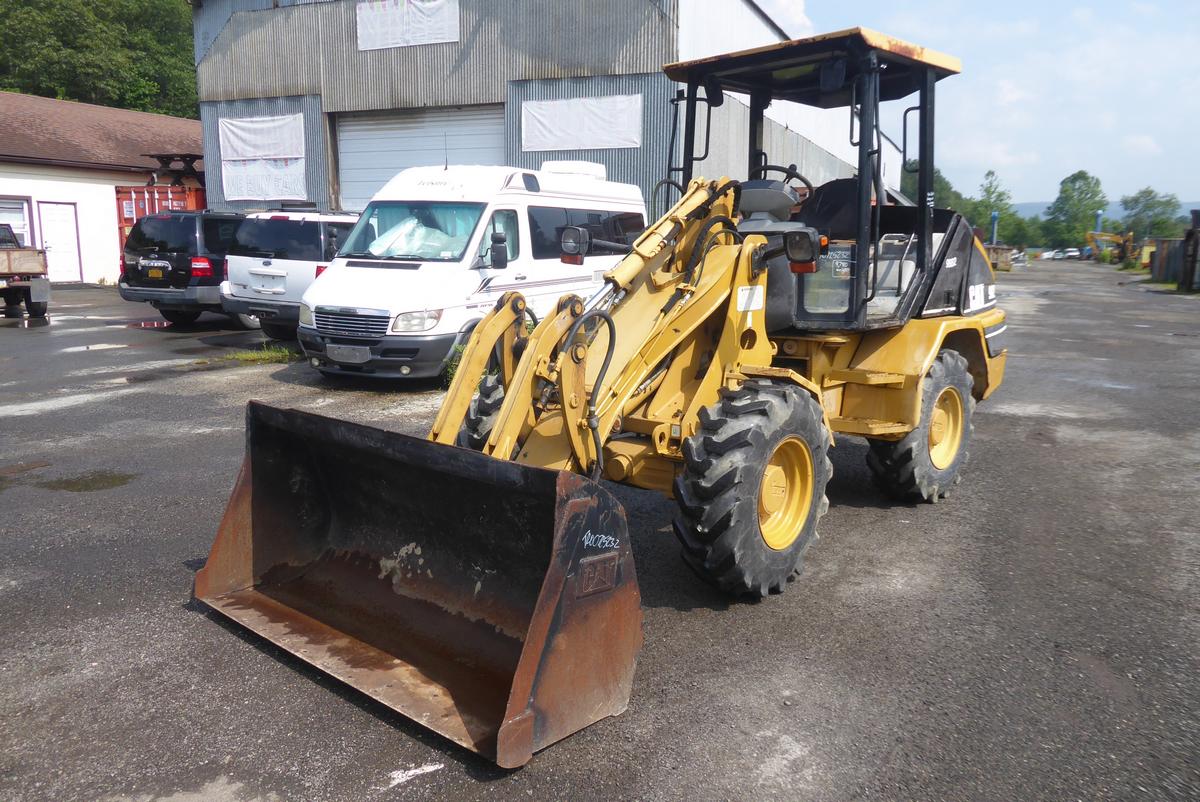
<point>1034,636</point>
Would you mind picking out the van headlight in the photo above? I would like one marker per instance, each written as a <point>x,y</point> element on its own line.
<point>306,315</point>
<point>417,321</point>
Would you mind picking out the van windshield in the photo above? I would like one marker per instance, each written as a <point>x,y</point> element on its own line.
<point>435,231</point>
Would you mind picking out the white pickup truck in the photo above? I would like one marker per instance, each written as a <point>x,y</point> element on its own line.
<point>22,276</point>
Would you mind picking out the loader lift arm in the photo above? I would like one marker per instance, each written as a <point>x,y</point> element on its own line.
<point>664,339</point>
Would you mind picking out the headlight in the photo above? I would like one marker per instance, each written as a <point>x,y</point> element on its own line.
<point>306,316</point>
<point>417,321</point>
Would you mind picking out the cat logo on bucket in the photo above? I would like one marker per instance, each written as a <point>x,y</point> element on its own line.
<point>597,574</point>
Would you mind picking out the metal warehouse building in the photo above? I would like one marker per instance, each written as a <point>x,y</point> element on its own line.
<point>325,100</point>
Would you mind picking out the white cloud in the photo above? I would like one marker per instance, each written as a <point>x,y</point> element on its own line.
<point>789,15</point>
<point>1141,145</point>
<point>1009,93</point>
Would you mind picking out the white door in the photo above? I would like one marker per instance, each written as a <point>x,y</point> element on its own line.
<point>372,148</point>
<point>60,238</point>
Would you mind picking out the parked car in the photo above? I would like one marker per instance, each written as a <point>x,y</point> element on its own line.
<point>1070,253</point>
<point>22,276</point>
<point>175,261</point>
<point>273,259</point>
<point>436,247</point>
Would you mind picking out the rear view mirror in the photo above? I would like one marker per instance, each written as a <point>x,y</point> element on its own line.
<point>575,244</point>
<point>499,250</point>
<point>712,91</point>
<point>802,245</point>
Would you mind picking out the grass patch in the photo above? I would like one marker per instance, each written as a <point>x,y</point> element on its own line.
<point>268,354</point>
<point>452,363</point>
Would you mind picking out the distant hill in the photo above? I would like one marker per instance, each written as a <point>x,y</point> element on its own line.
<point>1114,210</point>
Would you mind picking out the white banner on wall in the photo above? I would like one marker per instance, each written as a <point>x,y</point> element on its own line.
<point>262,158</point>
<point>263,179</point>
<point>585,123</point>
<point>402,23</point>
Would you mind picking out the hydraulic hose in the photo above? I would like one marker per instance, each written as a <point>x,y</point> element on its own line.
<point>592,421</point>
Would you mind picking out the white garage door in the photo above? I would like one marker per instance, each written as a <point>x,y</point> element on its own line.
<point>374,147</point>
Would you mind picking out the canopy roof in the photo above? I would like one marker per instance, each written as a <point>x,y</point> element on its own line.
<point>792,70</point>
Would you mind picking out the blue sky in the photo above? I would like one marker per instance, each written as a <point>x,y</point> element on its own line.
<point>1049,87</point>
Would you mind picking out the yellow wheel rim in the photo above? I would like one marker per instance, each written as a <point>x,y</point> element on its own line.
<point>785,494</point>
<point>945,429</point>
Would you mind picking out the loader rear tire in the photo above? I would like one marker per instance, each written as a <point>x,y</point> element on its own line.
<point>753,488</point>
<point>482,413</point>
<point>927,462</point>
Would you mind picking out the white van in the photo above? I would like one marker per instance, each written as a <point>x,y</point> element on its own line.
<point>273,258</point>
<point>424,262</point>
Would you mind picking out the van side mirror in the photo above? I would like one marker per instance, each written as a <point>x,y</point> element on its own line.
<point>499,250</point>
<point>575,244</point>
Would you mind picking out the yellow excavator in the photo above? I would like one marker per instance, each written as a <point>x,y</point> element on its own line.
<point>1122,245</point>
<point>481,581</point>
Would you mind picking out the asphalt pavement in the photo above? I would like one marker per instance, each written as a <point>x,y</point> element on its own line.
<point>1034,635</point>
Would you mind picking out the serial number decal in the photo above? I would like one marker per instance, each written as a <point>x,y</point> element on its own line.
<point>597,574</point>
<point>594,541</point>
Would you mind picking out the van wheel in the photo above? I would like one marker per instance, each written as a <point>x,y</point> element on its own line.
<point>178,317</point>
<point>246,322</point>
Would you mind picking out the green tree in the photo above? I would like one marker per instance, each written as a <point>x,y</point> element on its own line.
<point>945,196</point>
<point>1148,214</point>
<point>993,197</point>
<point>134,54</point>
<point>1073,212</point>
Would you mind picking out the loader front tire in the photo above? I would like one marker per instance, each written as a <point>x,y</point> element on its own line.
<point>482,413</point>
<point>927,462</point>
<point>753,488</point>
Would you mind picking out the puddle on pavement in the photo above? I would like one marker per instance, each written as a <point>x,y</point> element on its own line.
<point>195,349</point>
<point>27,323</point>
<point>143,324</point>
<point>88,482</point>
<point>10,474</point>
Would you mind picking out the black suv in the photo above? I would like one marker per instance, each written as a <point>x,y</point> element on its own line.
<point>176,262</point>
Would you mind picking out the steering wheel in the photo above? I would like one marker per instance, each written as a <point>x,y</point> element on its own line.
<point>789,173</point>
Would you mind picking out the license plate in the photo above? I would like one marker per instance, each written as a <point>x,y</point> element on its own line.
<point>3,283</point>
<point>154,272</point>
<point>353,354</point>
<point>270,284</point>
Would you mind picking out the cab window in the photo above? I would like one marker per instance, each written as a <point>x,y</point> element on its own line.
<point>546,225</point>
<point>335,235</point>
<point>503,221</point>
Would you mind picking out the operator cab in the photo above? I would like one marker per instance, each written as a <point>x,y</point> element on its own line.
<point>883,256</point>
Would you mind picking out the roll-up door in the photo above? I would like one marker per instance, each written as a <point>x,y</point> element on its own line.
<point>374,147</point>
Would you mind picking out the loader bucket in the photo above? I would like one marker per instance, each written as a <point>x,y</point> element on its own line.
<point>491,602</point>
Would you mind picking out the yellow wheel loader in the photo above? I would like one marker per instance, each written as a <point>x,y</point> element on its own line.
<point>481,581</point>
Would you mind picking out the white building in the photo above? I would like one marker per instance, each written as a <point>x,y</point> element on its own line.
<point>326,100</point>
<point>60,165</point>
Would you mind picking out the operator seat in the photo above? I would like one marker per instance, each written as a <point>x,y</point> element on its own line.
<point>832,208</point>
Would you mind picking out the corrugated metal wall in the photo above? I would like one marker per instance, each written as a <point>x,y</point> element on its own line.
<point>642,166</point>
<point>210,17</point>
<point>731,141</point>
<point>316,161</point>
<point>311,49</point>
